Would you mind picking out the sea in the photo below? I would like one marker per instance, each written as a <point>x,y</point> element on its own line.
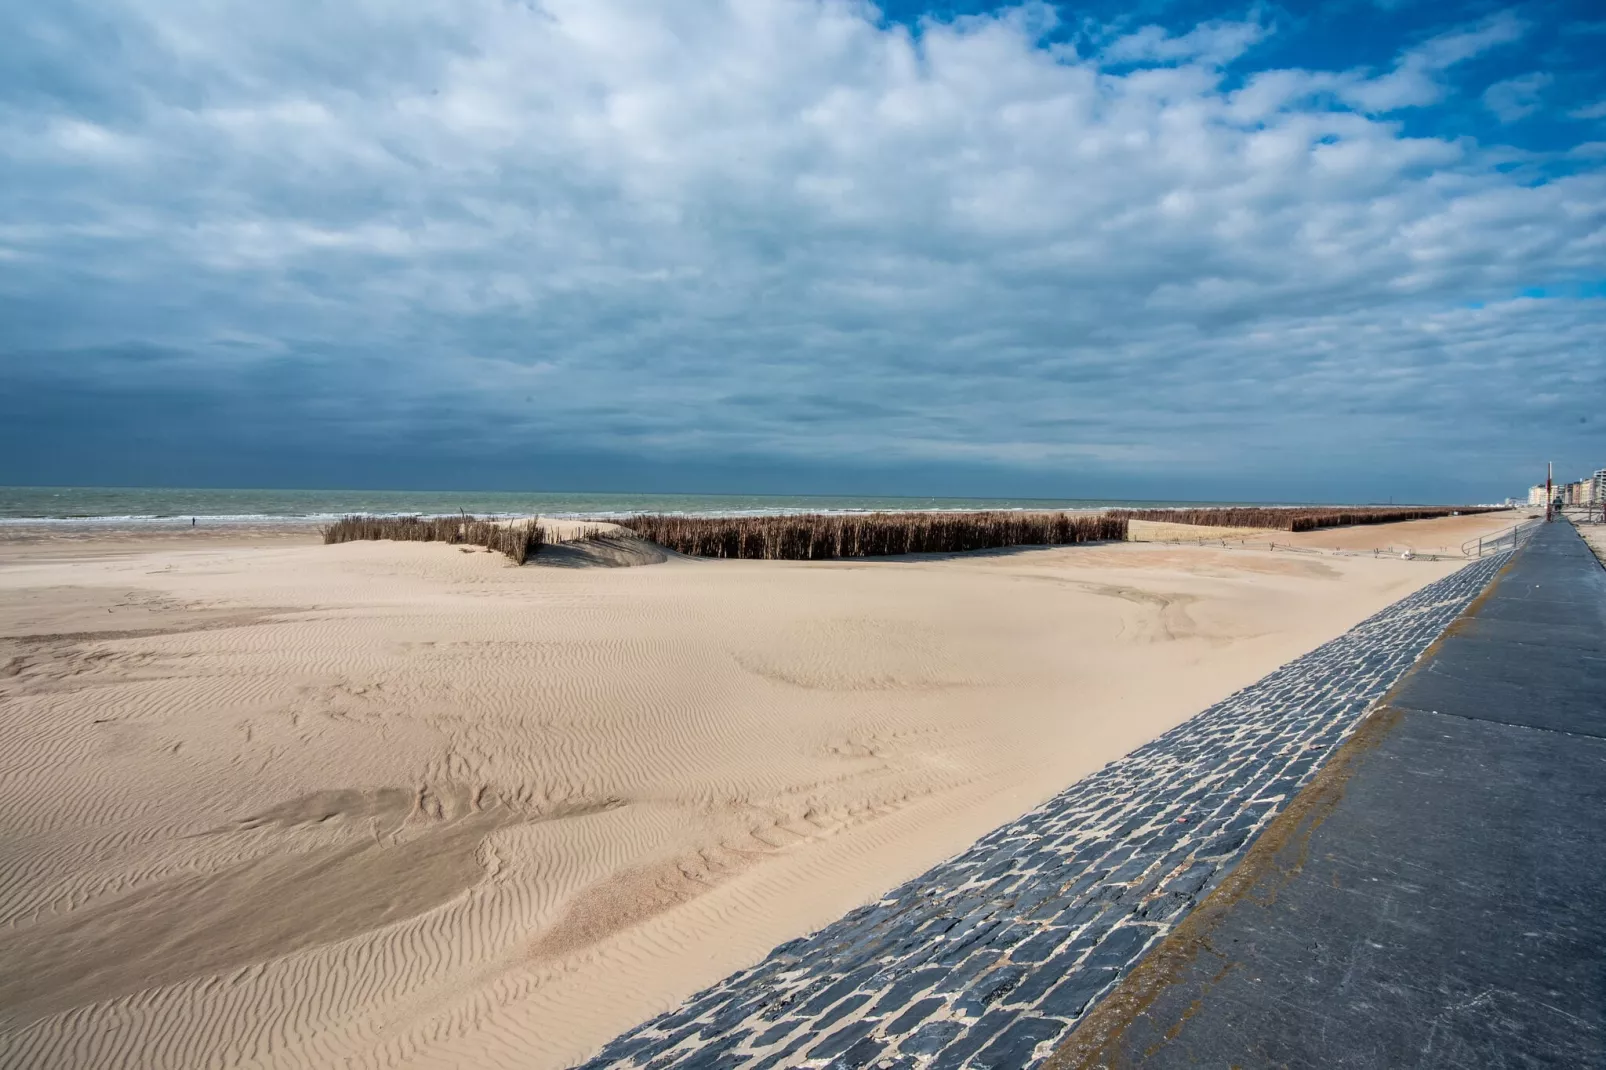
<point>166,506</point>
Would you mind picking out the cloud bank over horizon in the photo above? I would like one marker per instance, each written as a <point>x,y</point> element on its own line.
<point>607,244</point>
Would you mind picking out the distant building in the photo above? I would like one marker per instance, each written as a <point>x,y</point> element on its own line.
<point>1590,491</point>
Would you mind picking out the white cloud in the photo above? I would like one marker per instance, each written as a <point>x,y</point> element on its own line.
<point>1516,98</point>
<point>1212,43</point>
<point>1592,111</point>
<point>1447,49</point>
<point>787,229</point>
<point>1416,79</point>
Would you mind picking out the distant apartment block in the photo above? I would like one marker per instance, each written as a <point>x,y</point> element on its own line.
<point>1585,491</point>
<point>1591,490</point>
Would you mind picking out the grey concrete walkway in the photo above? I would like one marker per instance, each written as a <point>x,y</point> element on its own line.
<point>1436,897</point>
<point>990,958</point>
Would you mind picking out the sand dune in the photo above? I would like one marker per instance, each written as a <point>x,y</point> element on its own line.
<point>281,804</point>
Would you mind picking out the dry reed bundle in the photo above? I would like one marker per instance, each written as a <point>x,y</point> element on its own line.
<point>1296,518</point>
<point>817,537</point>
<point>518,541</point>
<point>587,533</point>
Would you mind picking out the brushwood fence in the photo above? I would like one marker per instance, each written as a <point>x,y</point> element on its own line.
<point>818,537</point>
<point>1296,518</point>
<point>520,541</point>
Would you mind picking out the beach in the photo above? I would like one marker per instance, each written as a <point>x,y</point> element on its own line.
<point>274,803</point>
<point>1594,535</point>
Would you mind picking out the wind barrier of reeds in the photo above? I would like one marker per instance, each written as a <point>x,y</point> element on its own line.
<point>518,540</point>
<point>586,533</point>
<point>817,536</point>
<point>1297,518</point>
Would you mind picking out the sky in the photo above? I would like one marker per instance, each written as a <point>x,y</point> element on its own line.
<point>1347,251</point>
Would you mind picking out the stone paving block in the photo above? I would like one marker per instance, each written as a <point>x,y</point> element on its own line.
<point>931,1038</point>
<point>783,1057</point>
<point>1070,998</point>
<point>916,1014</point>
<point>843,1039</point>
<point>1165,907</point>
<point>988,957</point>
<point>995,983</point>
<point>1016,1046</point>
<point>859,1055</point>
<point>973,1039</point>
<point>1039,947</point>
<point>776,1033</point>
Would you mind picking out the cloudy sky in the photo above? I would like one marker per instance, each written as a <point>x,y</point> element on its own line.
<point>1347,251</point>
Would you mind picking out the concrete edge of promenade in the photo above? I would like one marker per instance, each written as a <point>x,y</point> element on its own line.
<point>1436,895</point>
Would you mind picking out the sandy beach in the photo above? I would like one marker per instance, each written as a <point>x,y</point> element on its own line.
<point>272,803</point>
<point>1595,536</point>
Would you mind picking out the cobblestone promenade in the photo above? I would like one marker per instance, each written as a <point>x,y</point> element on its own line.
<point>990,958</point>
